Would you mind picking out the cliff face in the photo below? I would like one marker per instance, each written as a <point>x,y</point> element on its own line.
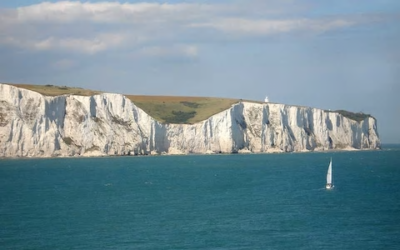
<point>32,125</point>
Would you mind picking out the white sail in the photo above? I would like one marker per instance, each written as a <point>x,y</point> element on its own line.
<point>329,175</point>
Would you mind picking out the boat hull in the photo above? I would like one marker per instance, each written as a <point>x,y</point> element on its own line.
<point>329,186</point>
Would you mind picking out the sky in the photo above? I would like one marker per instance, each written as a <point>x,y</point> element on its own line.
<point>342,54</point>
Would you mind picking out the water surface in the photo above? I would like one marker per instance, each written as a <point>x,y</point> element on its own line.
<point>258,201</point>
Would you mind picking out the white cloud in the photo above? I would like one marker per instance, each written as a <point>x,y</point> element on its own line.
<point>190,51</point>
<point>240,26</point>
<point>111,12</point>
<point>91,28</point>
<point>93,45</point>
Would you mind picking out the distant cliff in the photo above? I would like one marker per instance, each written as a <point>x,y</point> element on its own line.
<point>33,125</point>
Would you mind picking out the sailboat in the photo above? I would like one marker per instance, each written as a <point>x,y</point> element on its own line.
<point>329,183</point>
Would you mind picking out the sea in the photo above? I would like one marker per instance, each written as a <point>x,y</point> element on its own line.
<point>215,202</point>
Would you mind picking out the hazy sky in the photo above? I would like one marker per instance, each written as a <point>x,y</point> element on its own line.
<point>341,54</point>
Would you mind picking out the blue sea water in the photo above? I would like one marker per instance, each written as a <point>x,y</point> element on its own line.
<point>257,201</point>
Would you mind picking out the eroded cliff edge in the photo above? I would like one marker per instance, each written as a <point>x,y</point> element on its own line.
<point>33,125</point>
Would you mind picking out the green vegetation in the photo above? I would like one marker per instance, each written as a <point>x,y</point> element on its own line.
<point>181,109</point>
<point>68,140</point>
<point>166,109</point>
<point>3,119</point>
<point>51,90</point>
<point>3,114</point>
<point>180,116</point>
<point>191,104</point>
<point>119,121</point>
<point>353,116</point>
<point>340,146</point>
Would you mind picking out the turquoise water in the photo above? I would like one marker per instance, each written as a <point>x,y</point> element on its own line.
<point>263,201</point>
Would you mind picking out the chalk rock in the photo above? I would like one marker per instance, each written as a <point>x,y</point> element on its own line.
<point>32,125</point>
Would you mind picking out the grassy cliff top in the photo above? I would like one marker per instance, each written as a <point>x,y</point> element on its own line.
<point>181,109</point>
<point>353,116</point>
<point>51,90</point>
<point>169,109</point>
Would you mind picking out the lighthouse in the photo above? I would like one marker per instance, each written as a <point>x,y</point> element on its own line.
<point>266,99</point>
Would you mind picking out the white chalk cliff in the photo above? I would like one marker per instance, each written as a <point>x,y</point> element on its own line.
<point>33,125</point>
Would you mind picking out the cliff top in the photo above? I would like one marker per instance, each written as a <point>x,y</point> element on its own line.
<point>168,109</point>
<point>353,116</point>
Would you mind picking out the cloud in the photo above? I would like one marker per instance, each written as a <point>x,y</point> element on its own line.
<point>91,28</point>
<point>92,45</point>
<point>240,26</point>
<point>111,12</point>
<point>189,51</point>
